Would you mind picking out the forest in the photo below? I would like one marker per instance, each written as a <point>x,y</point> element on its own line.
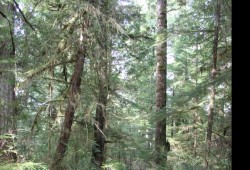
<point>115,85</point>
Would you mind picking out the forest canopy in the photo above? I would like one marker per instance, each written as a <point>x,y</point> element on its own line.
<point>115,84</point>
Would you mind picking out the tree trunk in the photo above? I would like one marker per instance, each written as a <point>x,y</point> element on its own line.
<point>172,121</point>
<point>195,133</point>
<point>214,72</point>
<point>7,82</point>
<point>103,73</point>
<point>52,114</point>
<point>99,128</point>
<point>196,112</point>
<point>71,107</point>
<point>160,134</point>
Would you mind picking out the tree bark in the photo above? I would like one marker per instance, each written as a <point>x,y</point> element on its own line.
<point>214,72</point>
<point>7,82</point>
<point>103,73</point>
<point>161,48</point>
<point>172,120</point>
<point>71,107</point>
<point>99,128</point>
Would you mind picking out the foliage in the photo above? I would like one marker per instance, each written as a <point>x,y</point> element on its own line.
<point>23,166</point>
<point>45,64</point>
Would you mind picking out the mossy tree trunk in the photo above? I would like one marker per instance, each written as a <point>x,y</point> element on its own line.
<point>161,48</point>
<point>7,82</point>
<point>214,73</point>
<point>74,91</point>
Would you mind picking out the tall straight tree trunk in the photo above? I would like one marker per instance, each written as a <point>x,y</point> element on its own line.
<point>71,107</point>
<point>103,72</point>
<point>214,72</point>
<point>52,113</point>
<point>172,121</point>
<point>161,49</point>
<point>7,80</point>
<point>195,132</point>
<point>99,128</point>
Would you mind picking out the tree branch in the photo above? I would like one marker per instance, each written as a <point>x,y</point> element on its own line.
<point>133,36</point>
<point>11,33</point>
<point>48,65</point>
<point>16,4</point>
<point>173,9</point>
<point>3,15</point>
<point>193,31</point>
